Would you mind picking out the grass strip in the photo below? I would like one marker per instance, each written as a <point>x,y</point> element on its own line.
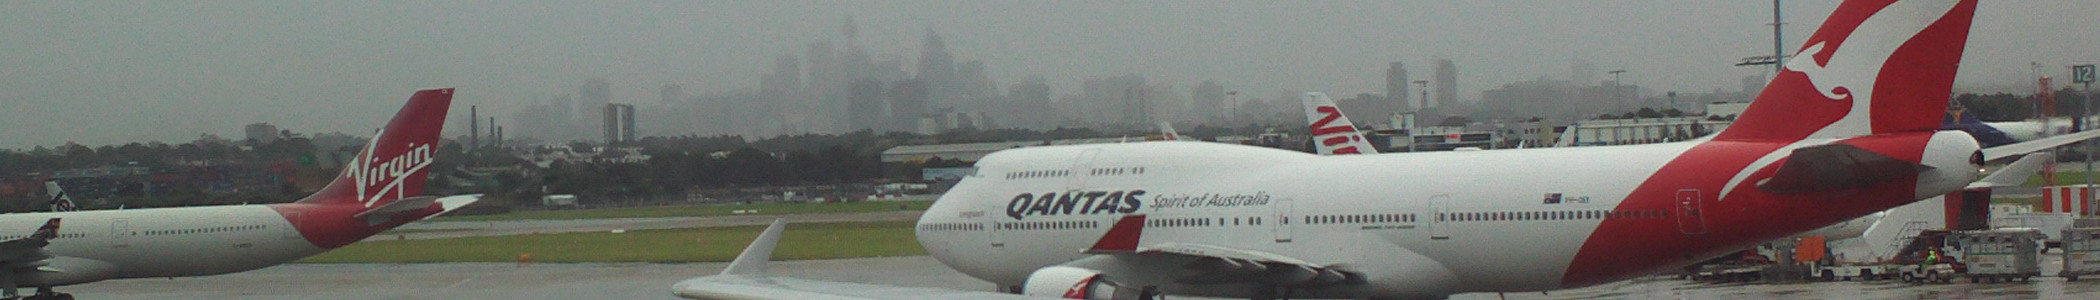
<point>701,210</point>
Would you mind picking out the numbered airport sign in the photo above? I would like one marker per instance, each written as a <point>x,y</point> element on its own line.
<point>2082,74</point>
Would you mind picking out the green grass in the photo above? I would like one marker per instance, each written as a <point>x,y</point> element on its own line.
<point>721,244</point>
<point>700,210</point>
<point>2062,178</point>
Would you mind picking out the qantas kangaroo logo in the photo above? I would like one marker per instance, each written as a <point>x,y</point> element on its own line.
<point>1850,72</point>
<point>1326,126</point>
<point>379,177</point>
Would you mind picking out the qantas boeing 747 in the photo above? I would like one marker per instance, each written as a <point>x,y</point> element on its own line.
<point>382,187</point>
<point>1849,128</point>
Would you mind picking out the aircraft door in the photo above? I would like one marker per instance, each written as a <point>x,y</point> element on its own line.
<point>120,233</point>
<point>992,233</point>
<point>1082,167</point>
<point>1691,217</point>
<point>1283,225</point>
<point>1439,226</point>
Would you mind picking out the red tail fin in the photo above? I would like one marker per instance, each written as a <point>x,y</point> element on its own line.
<point>394,164</point>
<point>1876,66</point>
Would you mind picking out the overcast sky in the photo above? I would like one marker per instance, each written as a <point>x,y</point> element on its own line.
<point>107,72</point>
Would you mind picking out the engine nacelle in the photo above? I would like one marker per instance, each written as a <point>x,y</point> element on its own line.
<point>68,271</point>
<point>1077,283</point>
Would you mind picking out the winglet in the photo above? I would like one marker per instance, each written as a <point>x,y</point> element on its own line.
<point>753,260</point>
<point>1122,237</point>
<point>2015,173</point>
<point>50,230</point>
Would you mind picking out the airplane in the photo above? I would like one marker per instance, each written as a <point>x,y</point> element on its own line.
<point>1849,128</point>
<point>60,202</point>
<point>1332,133</point>
<point>1166,132</point>
<point>380,188</point>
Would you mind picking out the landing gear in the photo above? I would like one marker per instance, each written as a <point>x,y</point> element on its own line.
<point>45,293</point>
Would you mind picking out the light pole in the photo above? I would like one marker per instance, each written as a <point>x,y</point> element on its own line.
<point>1235,118</point>
<point>2083,74</point>
<point>1617,88</point>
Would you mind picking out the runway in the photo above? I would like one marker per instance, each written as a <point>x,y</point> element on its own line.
<point>653,281</point>
<point>503,280</point>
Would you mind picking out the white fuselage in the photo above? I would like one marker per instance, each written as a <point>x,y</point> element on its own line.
<point>1415,224</point>
<point>161,242</point>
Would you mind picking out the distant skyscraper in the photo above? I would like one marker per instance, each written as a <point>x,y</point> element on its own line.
<point>937,71</point>
<point>1446,83</point>
<point>619,123</point>
<point>595,93</point>
<point>1396,85</point>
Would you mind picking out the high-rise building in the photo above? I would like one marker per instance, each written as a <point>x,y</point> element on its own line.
<point>619,123</point>
<point>595,93</point>
<point>937,71</point>
<point>1446,83</point>
<point>1396,85</point>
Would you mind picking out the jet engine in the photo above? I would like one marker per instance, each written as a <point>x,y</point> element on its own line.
<point>1079,283</point>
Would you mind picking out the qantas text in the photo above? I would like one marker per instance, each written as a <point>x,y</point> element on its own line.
<point>1077,202</point>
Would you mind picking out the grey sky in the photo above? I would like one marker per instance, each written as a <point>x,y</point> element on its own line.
<point>103,72</point>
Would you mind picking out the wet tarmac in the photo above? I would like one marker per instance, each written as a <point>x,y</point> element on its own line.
<point>653,281</point>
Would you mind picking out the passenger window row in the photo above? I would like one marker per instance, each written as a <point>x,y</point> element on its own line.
<point>952,227</point>
<point>1360,218</point>
<point>1036,174</point>
<point>1200,222</point>
<point>203,230</point>
<point>1118,171</point>
<point>1048,225</point>
<point>1552,215</point>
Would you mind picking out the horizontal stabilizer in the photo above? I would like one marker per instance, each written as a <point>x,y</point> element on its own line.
<point>2014,174</point>
<point>1995,153</point>
<point>453,203</point>
<point>383,212</point>
<point>1836,167</point>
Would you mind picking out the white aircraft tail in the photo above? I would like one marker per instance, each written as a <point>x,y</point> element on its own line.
<point>59,200</point>
<point>1166,131</point>
<point>1332,132</point>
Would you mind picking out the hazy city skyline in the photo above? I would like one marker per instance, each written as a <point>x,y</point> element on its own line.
<point>101,73</point>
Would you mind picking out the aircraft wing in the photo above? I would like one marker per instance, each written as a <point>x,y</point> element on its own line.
<point>1210,264</point>
<point>23,252</point>
<point>2015,173</point>
<point>1995,153</point>
<point>746,279</point>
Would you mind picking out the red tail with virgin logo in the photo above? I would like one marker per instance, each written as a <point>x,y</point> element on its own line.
<point>394,163</point>
<point>1875,67</point>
